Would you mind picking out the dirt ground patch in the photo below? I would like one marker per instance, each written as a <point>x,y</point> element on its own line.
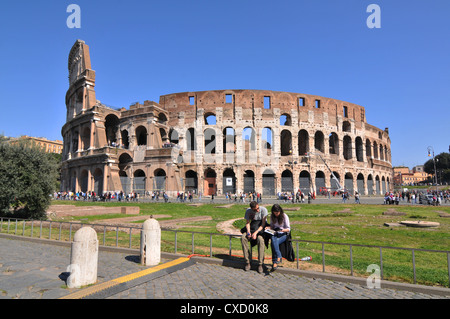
<point>64,211</point>
<point>226,227</point>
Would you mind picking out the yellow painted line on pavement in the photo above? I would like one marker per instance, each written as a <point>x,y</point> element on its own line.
<point>94,289</point>
<point>150,270</point>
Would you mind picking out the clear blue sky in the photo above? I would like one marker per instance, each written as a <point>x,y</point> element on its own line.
<point>143,49</point>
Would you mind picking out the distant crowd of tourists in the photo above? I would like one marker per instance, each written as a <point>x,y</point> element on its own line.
<point>430,197</point>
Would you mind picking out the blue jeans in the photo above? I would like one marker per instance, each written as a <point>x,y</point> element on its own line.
<point>275,243</point>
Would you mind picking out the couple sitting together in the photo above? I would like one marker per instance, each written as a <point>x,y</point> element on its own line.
<point>258,232</point>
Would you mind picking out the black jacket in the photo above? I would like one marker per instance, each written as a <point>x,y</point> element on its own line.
<point>286,249</point>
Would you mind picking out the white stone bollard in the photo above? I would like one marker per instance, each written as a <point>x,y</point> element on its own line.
<point>83,258</point>
<point>151,243</point>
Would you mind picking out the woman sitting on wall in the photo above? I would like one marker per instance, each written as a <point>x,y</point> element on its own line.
<point>280,227</point>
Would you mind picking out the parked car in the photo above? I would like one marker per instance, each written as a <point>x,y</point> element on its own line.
<point>426,199</point>
<point>430,200</point>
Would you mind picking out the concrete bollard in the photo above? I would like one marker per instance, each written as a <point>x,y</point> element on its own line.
<point>83,258</point>
<point>150,243</point>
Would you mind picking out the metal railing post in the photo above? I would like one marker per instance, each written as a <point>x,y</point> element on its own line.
<point>381,264</point>
<point>323,257</point>
<point>351,260</point>
<point>448,268</point>
<point>130,239</point>
<point>210,245</point>
<point>117,236</point>
<point>176,240</point>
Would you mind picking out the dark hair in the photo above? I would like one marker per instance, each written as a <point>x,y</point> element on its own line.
<point>253,204</point>
<point>280,218</point>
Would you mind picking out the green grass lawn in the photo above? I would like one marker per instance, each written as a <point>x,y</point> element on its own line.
<point>317,222</point>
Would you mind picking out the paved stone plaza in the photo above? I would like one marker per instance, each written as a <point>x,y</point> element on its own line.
<point>34,270</point>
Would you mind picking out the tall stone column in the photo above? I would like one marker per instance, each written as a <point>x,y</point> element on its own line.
<point>92,136</point>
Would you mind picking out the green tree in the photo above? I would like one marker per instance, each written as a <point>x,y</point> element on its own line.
<point>27,179</point>
<point>442,166</point>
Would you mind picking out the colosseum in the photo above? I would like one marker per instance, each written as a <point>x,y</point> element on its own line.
<point>217,142</point>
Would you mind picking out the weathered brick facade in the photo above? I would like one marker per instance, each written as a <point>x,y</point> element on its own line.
<point>218,141</point>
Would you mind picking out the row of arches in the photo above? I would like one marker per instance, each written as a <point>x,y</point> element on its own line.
<point>130,137</point>
<point>139,183</point>
<point>81,138</point>
<point>140,134</point>
<point>289,143</point>
<point>87,180</point>
<point>269,183</point>
<point>347,147</point>
<point>285,119</point>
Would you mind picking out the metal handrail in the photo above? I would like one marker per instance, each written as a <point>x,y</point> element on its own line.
<point>193,233</point>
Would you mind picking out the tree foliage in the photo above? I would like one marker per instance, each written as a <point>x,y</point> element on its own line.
<point>442,166</point>
<point>27,179</point>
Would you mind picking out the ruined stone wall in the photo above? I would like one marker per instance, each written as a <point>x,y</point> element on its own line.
<point>334,133</point>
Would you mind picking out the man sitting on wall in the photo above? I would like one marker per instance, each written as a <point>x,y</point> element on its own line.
<point>252,233</point>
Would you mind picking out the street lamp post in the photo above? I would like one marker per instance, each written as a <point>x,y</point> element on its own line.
<point>431,149</point>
